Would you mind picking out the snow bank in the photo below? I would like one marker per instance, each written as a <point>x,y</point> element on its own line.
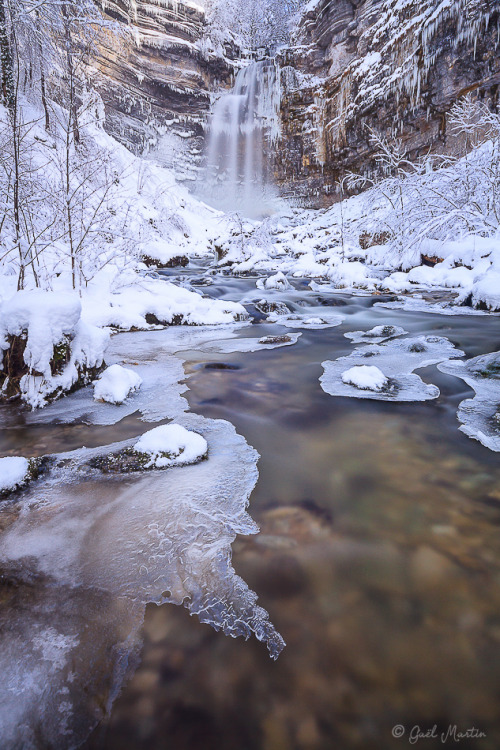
<point>61,348</point>
<point>172,445</point>
<point>129,301</point>
<point>485,293</point>
<point>365,377</point>
<point>46,317</point>
<point>13,472</point>
<point>116,384</point>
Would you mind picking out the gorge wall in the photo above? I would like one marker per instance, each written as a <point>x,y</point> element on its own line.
<point>391,65</point>
<point>395,66</point>
<point>155,75</point>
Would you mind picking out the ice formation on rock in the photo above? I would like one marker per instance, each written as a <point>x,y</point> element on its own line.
<point>480,416</point>
<point>396,359</point>
<point>376,335</point>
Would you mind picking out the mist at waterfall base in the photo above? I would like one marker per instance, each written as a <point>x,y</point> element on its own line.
<point>244,131</point>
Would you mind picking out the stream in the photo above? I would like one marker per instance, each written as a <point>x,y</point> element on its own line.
<point>377,560</point>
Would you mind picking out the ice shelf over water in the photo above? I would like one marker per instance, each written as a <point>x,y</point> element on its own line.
<point>88,552</point>
<point>480,416</point>
<point>396,359</point>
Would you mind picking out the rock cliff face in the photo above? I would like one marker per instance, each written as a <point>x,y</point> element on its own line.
<point>155,78</point>
<point>395,67</point>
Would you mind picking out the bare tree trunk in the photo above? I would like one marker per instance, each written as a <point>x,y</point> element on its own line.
<point>7,60</point>
<point>73,109</point>
<point>43,91</point>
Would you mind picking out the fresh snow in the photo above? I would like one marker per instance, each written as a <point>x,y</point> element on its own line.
<point>116,384</point>
<point>172,445</point>
<point>365,377</point>
<point>13,472</point>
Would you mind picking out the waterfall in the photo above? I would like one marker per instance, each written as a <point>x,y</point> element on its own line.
<point>244,128</point>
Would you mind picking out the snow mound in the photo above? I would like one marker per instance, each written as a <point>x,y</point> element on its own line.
<point>480,416</point>
<point>365,377</point>
<point>279,281</point>
<point>172,445</point>
<point>13,472</point>
<point>116,384</point>
<point>375,335</point>
<point>395,360</point>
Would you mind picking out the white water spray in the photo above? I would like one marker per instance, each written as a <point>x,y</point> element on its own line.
<point>244,129</point>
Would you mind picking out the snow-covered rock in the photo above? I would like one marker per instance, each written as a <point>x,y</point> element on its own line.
<point>375,335</point>
<point>172,445</point>
<point>279,282</point>
<point>485,293</point>
<point>365,377</point>
<point>60,349</point>
<point>13,473</point>
<point>116,384</point>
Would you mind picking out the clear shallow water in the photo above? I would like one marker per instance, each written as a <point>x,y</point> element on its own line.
<point>378,560</point>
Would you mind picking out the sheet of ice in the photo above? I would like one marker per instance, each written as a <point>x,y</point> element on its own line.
<point>480,416</point>
<point>13,471</point>
<point>150,353</point>
<point>397,359</point>
<point>365,377</point>
<point>310,319</point>
<point>250,344</point>
<point>116,384</point>
<point>182,446</point>
<point>103,549</point>
<point>375,335</point>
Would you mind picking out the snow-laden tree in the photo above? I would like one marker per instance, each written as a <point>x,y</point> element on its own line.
<point>256,24</point>
<point>48,44</point>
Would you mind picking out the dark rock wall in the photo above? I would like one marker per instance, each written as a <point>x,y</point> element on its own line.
<point>361,64</point>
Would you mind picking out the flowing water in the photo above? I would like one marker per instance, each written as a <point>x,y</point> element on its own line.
<point>244,127</point>
<point>378,558</point>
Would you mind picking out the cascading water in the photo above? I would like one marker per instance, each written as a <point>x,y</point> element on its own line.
<point>245,126</point>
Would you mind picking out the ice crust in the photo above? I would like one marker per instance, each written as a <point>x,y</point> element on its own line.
<point>247,344</point>
<point>480,416</point>
<point>397,359</point>
<point>101,549</point>
<point>310,320</point>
